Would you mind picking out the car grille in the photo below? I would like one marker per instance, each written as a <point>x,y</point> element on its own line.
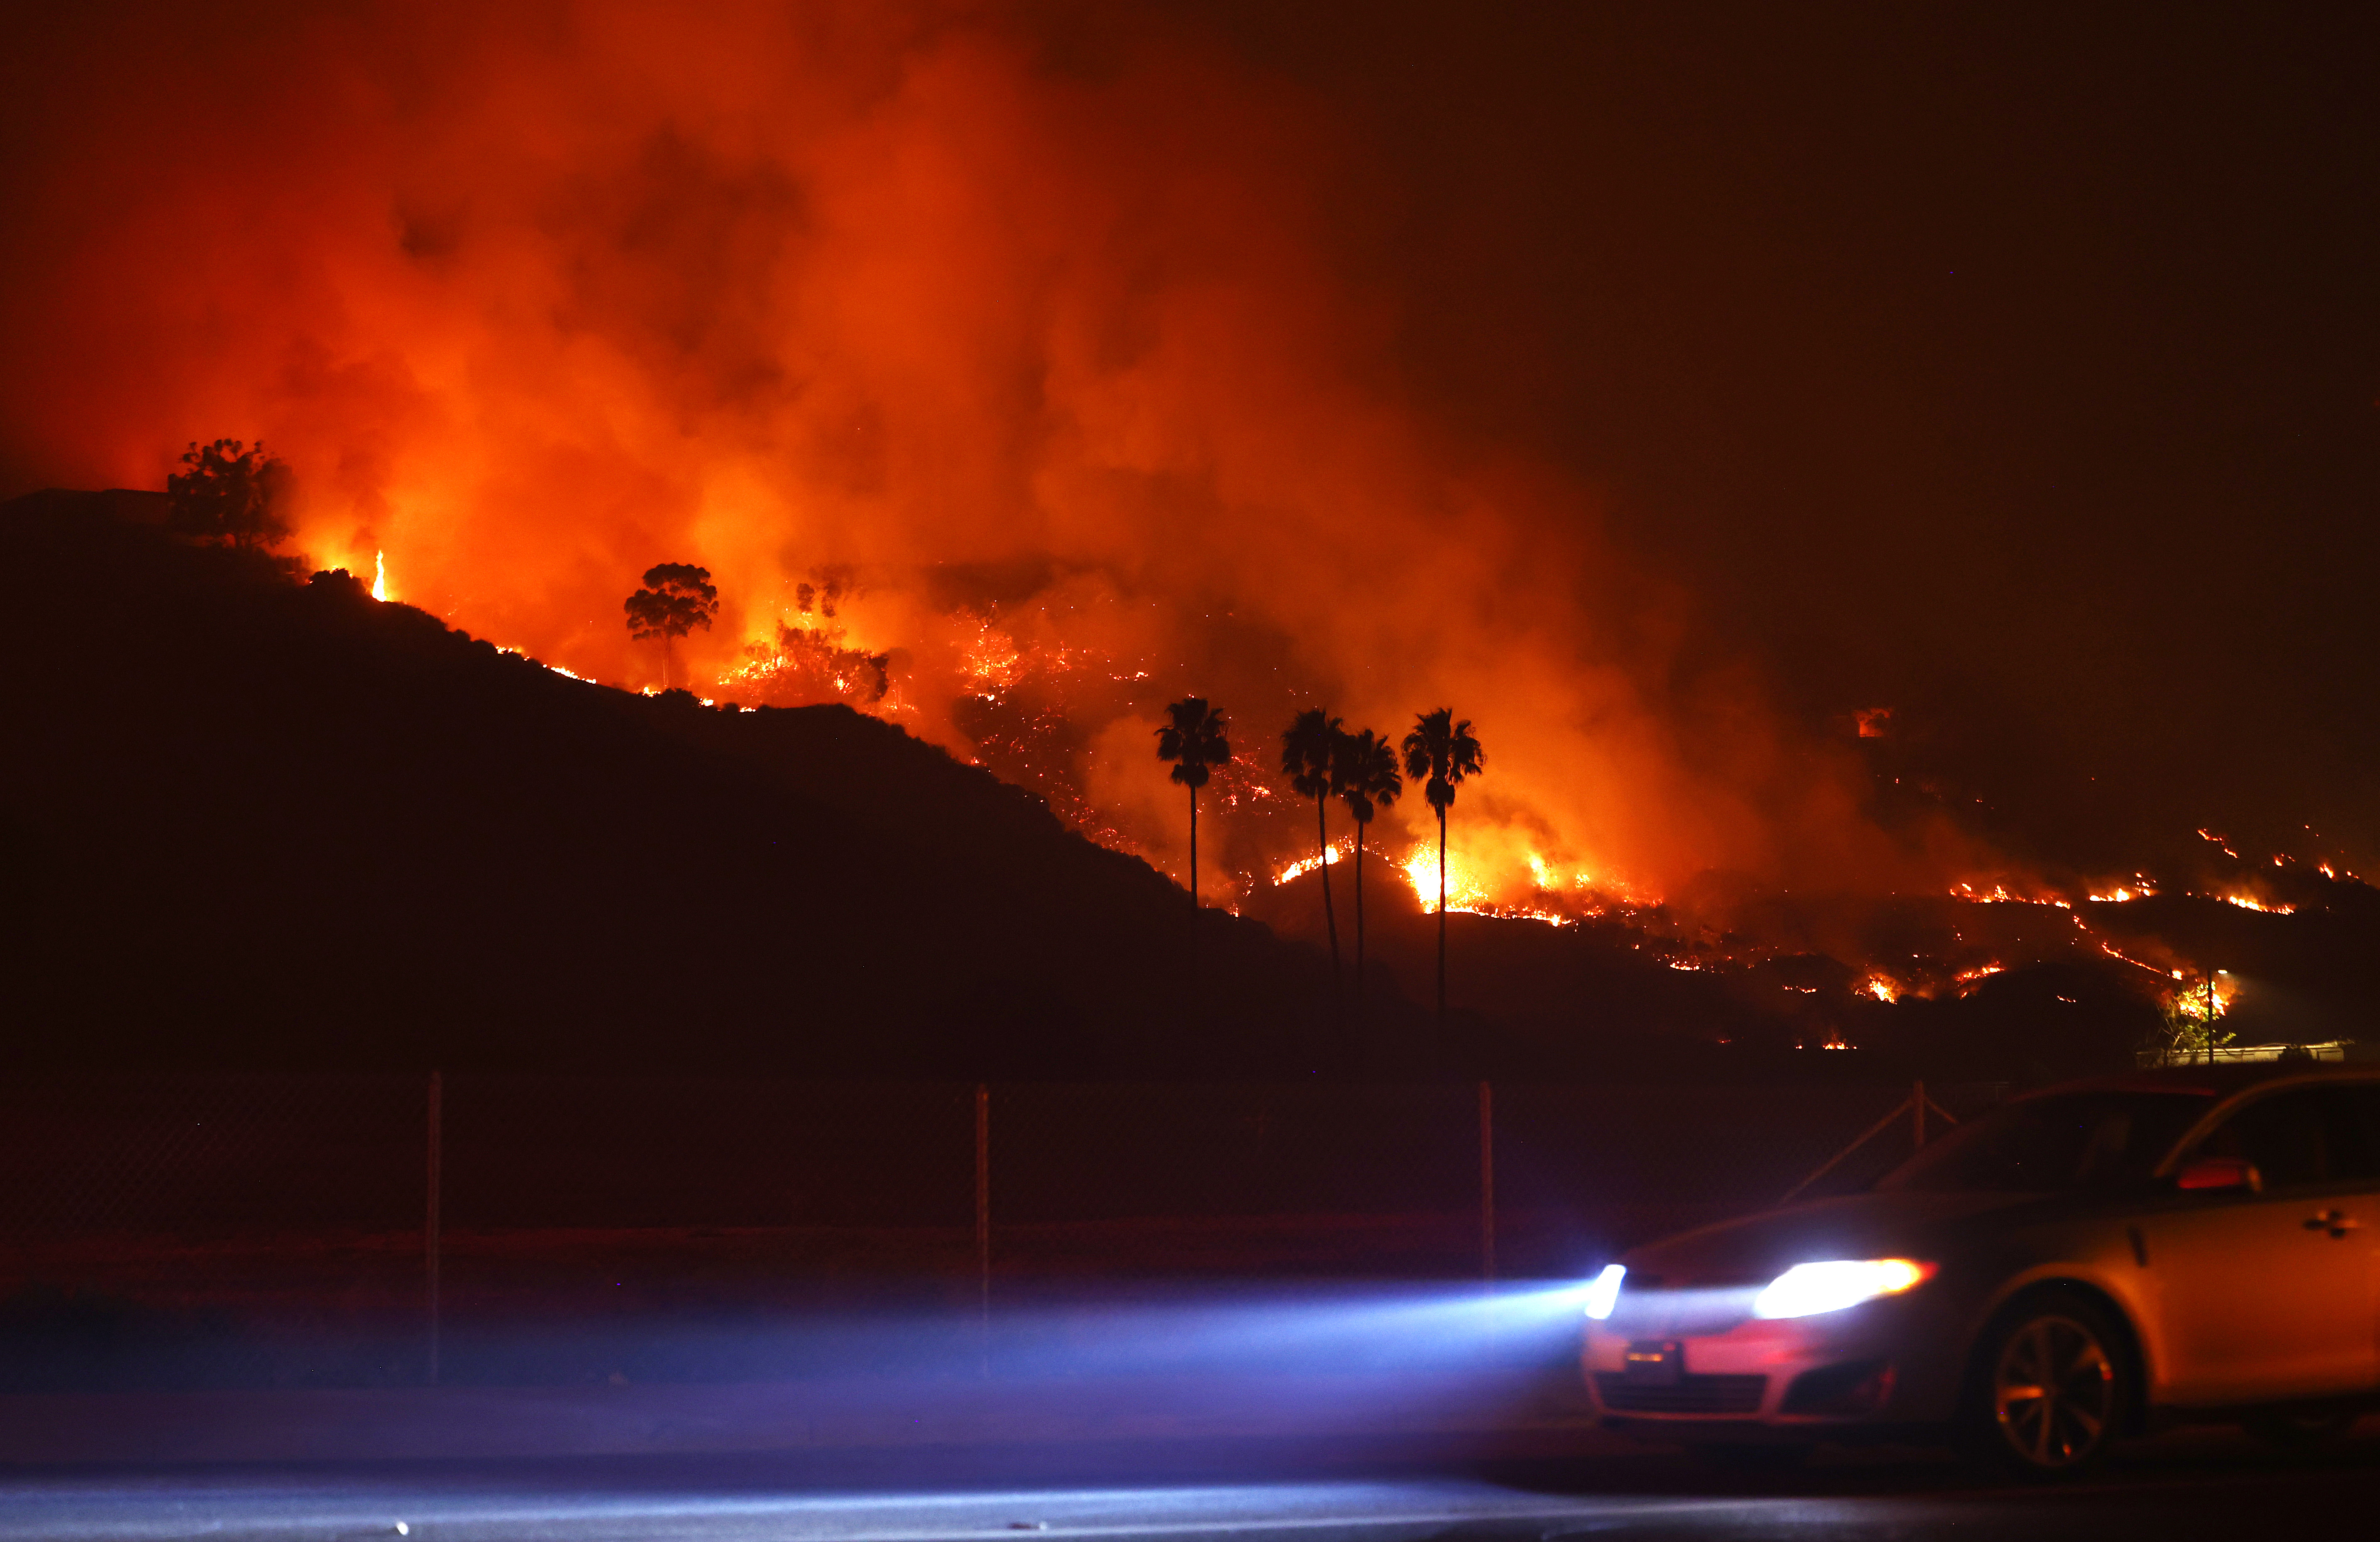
<point>1665,1311</point>
<point>1688,1394</point>
<point>1673,1318</point>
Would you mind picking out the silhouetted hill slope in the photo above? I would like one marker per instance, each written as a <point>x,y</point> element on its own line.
<point>2039,997</point>
<point>246,820</point>
<point>253,820</point>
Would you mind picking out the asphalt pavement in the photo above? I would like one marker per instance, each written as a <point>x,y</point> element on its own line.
<point>2193,1483</point>
<point>1370,1416</point>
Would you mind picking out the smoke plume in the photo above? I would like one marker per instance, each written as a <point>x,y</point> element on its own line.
<point>1001,366</point>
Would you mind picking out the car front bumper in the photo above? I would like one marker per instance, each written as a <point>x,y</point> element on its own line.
<point>1696,1371</point>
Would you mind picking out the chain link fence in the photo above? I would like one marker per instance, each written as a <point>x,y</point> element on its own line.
<point>253,1213</point>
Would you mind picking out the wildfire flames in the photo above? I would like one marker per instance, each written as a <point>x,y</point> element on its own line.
<point>1003,401</point>
<point>1331,856</point>
<point>1462,889</point>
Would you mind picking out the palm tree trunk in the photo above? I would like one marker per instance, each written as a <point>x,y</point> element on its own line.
<point>1330,917</point>
<point>1441,918</point>
<point>1359,917</point>
<point>1193,888</point>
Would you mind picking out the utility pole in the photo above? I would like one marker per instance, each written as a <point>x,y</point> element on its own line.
<point>429,1220</point>
<point>983,1227</point>
<point>1488,1182</point>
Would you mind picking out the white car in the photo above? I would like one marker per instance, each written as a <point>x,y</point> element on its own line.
<point>2070,1267</point>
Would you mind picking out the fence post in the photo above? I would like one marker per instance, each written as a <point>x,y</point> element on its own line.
<point>983,1226</point>
<point>1917,1112</point>
<point>1488,1182</point>
<point>1887,1123</point>
<point>429,1222</point>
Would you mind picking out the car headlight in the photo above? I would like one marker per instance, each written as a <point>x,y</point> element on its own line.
<point>1603,1292</point>
<point>1807,1290</point>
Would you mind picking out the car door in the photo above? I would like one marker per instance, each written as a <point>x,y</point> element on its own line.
<point>2270,1293</point>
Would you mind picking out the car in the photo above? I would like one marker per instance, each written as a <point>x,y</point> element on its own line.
<point>2079,1264</point>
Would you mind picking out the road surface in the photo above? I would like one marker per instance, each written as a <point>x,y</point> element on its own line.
<point>2190,1485</point>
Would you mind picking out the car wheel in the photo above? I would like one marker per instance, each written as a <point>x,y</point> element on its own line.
<point>2052,1391</point>
<point>2302,1431</point>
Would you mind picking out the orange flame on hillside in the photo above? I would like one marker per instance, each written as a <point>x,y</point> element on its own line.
<point>1464,890</point>
<point>1332,854</point>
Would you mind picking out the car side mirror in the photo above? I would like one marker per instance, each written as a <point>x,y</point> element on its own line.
<point>2219,1172</point>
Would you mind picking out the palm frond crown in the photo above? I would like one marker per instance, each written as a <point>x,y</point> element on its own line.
<point>1440,752</point>
<point>1194,738</point>
<point>1367,773</point>
<point>1309,753</point>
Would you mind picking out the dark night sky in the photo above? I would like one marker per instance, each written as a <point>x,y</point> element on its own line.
<point>2014,366</point>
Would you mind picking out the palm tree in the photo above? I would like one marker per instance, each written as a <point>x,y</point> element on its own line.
<point>1309,757</point>
<point>1443,750</point>
<point>1366,769</point>
<point>1193,738</point>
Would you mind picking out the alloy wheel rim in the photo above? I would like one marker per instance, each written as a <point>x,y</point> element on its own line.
<point>2054,1391</point>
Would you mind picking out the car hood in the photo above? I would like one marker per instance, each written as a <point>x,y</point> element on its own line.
<point>1754,1249</point>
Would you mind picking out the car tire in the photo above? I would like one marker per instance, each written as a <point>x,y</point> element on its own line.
<point>2299,1431</point>
<point>2051,1389</point>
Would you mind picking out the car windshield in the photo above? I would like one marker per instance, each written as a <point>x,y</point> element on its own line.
<point>2066,1143</point>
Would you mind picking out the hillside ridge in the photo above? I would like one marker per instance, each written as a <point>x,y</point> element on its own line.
<point>255,819</point>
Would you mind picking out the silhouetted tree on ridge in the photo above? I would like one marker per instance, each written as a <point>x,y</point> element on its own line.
<point>1309,757</point>
<point>1443,750</point>
<point>677,598</point>
<point>1193,738</point>
<point>1365,771</point>
<point>230,493</point>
